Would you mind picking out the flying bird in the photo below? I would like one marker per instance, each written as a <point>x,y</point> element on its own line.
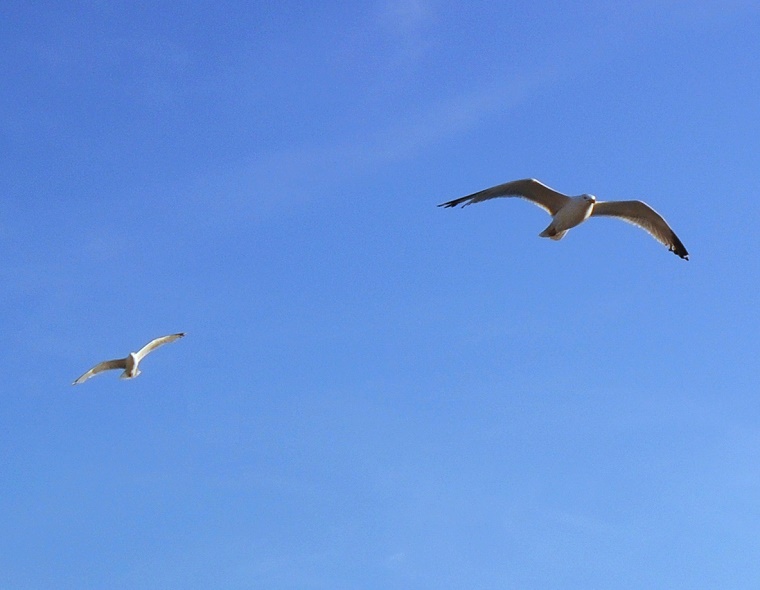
<point>130,363</point>
<point>567,212</point>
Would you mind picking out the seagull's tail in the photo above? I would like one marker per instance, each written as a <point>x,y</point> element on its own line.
<point>552,233</point>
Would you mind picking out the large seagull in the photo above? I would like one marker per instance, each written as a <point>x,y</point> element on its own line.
<point>130,363</point>
<point>567,212</point>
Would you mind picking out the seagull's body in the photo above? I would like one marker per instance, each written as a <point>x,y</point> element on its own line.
<point>131,363</point>
<point>567,212</point>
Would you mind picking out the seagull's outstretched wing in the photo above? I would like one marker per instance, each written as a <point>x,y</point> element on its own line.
<point>99,368</point>
<point>154,344</point>
<point>640,214</point>
<point>531,189</point>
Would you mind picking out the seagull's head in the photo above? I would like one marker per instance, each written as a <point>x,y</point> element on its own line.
<point>589,198</point>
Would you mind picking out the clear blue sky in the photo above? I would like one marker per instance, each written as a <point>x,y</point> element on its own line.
<point>374,392</point>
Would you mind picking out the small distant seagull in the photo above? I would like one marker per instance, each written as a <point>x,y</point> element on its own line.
<point>130,363</point>
<point>567,212</point>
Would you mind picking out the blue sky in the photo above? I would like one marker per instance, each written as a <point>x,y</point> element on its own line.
<point>375,392</point>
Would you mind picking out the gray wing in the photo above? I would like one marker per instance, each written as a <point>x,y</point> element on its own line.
<point>531,189</point>
<point>640,214</point>
<point>154,344</point>
<point>99,368</point>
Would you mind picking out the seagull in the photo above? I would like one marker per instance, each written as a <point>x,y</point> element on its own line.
<point>567,212</point>
<point>130,363</point>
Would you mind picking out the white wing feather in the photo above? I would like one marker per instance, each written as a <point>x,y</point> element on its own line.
<point>154,344</point>
<point>99,368</point>
<point>531,189</point>
<point>642,215</point>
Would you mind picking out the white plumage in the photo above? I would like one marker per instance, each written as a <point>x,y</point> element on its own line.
<point>131,362</point>
<point>567,212</point>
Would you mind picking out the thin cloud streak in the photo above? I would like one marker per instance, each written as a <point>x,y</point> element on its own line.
<point>300,174</point>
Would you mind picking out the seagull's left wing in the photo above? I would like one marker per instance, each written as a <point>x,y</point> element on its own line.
<point>640,214</point>
<point>154,344</point>
<point>100,367</point>
<point>531,189</point>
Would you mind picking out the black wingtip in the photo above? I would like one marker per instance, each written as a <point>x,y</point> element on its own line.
<point>680,251</point>
<point>451,204</point>
<point>677,247</point>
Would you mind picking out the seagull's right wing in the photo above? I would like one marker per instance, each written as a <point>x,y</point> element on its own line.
<point>99,368</point>
<point>531,189</point>
<point>642,215</point>
<point>154,344</point>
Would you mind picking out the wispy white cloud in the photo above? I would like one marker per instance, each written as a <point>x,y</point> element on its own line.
<point>404,16</point>
<point>396,559</point>
<point>309,171</point>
